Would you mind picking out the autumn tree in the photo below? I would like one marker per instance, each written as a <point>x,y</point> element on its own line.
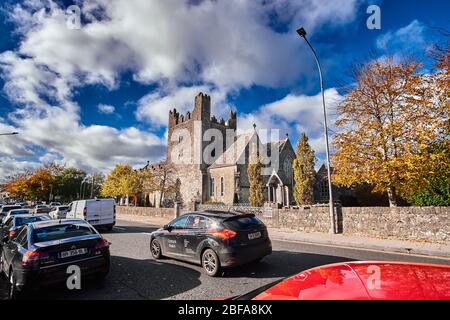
<point>386,122</point>
<point>162,178</point>
<point>122,181</point>
<point>254,172</point>
<point>437,191</point>
<point>40,184</point>
<point>17,186</point>
<point>304,173</point>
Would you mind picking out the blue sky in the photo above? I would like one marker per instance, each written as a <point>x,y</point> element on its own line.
<point>99,95</point>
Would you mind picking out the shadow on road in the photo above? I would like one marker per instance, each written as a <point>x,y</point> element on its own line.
<point>282,264</point>
<point>128,279</point>
<point>129,229</point>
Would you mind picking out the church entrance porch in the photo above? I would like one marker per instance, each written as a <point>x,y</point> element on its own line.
<point>277,192</point>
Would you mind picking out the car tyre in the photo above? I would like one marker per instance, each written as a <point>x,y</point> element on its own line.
<point>211,263</point>
<point>155,249</point>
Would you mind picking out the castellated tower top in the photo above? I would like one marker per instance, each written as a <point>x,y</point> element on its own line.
<point>202,107</point>
<point>201,112</point>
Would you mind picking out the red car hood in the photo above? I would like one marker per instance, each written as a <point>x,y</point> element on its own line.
<point>365,281</point>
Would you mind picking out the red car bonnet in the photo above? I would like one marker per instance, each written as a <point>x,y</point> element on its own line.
<point>364,281</point>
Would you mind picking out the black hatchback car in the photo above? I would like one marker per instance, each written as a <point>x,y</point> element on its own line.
<point>213,239</point>
<point>40,253</point>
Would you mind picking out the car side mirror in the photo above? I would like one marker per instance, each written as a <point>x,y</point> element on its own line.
<point>168,227</point>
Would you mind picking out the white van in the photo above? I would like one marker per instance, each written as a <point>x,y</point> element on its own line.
<point>101,213</point>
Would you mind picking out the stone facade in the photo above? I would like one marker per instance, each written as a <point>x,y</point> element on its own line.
<point>209,172</point>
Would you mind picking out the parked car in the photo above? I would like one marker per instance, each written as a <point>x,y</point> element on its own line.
<point>101,213</point>
<point>214,240</point>
<point>14,212</point>
<point>40,253</point>
<point>41,208</point>
<point>15,222</point>
<point>59,212</point>
<point>6,208</point>
<point>54,204</point>
<point>361,281</point>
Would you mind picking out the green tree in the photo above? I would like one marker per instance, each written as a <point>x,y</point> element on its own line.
<point>67,183</point>
<point>256,182</point>
<point>304,173</point>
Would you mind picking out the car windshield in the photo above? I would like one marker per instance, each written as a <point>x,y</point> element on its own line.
<point>63,231</point>
<point>21,221</point>
<point>8,209</point>
<point>22,211</point>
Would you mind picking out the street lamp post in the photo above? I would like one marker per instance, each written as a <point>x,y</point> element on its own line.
<point>92,187</point>
<point>50,197</point>
<point>8,133</point>
<point>302,33</point>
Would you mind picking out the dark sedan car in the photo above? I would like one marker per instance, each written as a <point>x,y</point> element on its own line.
<point>213,239</point>
<point>17,221</point>
<point>7,208</point>
<point>40,253</point>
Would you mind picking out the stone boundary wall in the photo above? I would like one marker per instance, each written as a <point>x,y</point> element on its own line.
<point>405,223</point>
<point>146,211</point>
<point>410,223</point>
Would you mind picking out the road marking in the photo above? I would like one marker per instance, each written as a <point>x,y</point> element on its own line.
<point>120,228</point>
<point>364,249</point>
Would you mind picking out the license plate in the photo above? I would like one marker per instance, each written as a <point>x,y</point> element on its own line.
<point>255,235</point>
<point>71,253</point>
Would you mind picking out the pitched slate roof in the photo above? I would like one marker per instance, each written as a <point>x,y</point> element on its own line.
<point>237,150</point>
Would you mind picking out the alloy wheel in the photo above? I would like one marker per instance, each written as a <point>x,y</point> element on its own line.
<point>209,262</point>
<point>156,249</point>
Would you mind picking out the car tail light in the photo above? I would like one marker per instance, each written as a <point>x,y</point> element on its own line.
<point>85,212</point>
<point>102,243</point>
<point>224,234</point>
<point>12,233</point>
<point>33,257</point>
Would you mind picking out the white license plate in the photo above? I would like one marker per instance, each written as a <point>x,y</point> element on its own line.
<point>71,253</point>
<point>255,235</point>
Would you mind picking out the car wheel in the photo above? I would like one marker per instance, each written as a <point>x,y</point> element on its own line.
<point>155,249</point>
<point>211,263</point>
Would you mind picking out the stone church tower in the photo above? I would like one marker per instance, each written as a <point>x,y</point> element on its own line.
<point>187,156</point>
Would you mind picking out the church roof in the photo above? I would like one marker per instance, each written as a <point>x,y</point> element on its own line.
<point>231,156</point>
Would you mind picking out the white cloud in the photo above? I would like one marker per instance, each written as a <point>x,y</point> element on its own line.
<point>227,43</point>
<point>154,107</point>
<point>405,40</point>
<point>294,114</point>
<point>106,108</point>
<point>212,46</point>
<point>10,166</point>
